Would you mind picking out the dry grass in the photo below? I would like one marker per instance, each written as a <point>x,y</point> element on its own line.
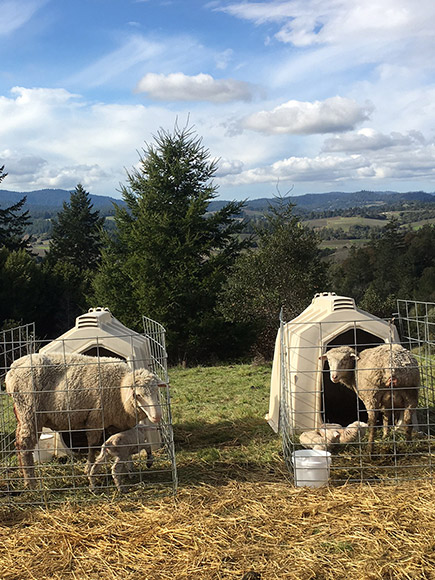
<point>211,532</point>
<point>236,510</point>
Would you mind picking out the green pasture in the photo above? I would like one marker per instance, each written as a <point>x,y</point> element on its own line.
<point>345,222</point>
<point>219,425</point>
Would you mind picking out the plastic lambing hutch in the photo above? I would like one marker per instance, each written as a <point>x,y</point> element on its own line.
<point>98,333</point>
<point>302,396</point>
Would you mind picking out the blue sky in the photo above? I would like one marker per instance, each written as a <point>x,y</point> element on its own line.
<point>301,95</point>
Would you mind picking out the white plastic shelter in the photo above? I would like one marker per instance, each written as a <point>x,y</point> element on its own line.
<point>98,333</point>
<point>299,388</point>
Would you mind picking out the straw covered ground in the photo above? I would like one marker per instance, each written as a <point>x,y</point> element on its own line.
<point>236,514</point>
<point>245,530</point>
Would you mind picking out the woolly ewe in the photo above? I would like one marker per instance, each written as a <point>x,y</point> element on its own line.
<point>386,378</point>
<point>68,392</point>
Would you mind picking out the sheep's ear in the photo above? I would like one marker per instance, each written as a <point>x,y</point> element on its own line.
<point>129,393</point>
<point>323,357</point>
<point>138,399</point>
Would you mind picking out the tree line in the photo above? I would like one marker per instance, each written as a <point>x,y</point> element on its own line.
<point>218,293</point>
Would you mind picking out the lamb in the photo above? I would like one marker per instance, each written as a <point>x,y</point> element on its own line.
<point>329,434</point>
<point>67,392</point>
<point>122,446</point>
<point>386,378</point>
<point>322,438</point>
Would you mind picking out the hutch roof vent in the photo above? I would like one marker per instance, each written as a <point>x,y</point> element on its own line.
<point>99,333</point>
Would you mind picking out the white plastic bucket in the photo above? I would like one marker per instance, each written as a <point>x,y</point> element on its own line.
<point>44,450</point>
<point>311,467</point>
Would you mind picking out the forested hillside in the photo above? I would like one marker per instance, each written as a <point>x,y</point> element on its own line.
<point>216,274</point>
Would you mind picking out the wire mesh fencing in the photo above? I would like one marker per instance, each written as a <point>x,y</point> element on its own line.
<point>14,343</point>
<point>81,425</point>
<point>326,425</point>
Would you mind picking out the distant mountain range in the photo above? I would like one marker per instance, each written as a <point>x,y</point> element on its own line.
<point>338,200</point>
<point>51,200</point>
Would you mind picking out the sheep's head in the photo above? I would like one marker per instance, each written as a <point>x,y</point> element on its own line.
<point>353,431</point>
<point>341,361</point>
<point>144,393</point>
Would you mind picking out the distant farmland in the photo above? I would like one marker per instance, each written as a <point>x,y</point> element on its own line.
<point>345,223</point>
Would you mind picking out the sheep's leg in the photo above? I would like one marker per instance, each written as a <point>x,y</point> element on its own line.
<point>94,438</point>
<point>150,459</point>
<point>407,421</point>
<point>26,438</point>
<point>118,470</point>
<point>388,417</point>
<point>128,466</point>
<point>96,468</point>
<point>371,420</point>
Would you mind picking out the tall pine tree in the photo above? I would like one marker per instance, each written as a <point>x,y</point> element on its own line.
<point>73,256</point>
<point>13,223</point>
<point>76,233</point>
<point>170,256</point>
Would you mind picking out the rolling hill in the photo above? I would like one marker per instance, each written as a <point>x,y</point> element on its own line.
<point>52,200</point>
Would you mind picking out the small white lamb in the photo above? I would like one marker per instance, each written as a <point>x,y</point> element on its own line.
<point>122,446</point>
<point>329,434</point>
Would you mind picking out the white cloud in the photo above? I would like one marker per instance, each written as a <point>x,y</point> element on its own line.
<point>28,114</point>
<point>21,167</point>
<point>371,140</point>
<point>304,118</point>
<point>310,22</point>
<point>229,167</point>
<point>223,58</point>
<point>32,172</point>
<point>201,87</point>
<point>134,50</point>
<point>15,14</point>
<point>56,139</point>
<point>396,157</point>
<point>300,169</point>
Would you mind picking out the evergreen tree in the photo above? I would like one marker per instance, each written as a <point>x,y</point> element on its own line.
<point>398,264</point>
<point>22,290</point>
<point>169,256</point>
<point>76,233</point>
<point>13,223</point>
<point>73,256</point>
<point>284,271</point>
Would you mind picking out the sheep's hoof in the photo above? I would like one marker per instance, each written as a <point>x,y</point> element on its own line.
<point>122,489</point>
<point>30,484</point>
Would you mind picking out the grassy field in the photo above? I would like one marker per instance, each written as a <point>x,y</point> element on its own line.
<point>345,222</point>
<point>218,416</point>
<point>236,514</point>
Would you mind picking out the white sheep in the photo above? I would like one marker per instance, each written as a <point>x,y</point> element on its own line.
<point>330,434</point>
<point>67,392</point>
<point>121,447</point>
<point>386,378</point>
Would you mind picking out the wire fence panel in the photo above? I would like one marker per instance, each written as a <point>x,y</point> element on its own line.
<point>416,321</point>
<point>88,424</point>
<point>325,425</point>
<point>14,343</point>
<point>156,335</point>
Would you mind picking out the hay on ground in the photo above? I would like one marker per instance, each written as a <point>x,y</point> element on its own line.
<point>271,530</point>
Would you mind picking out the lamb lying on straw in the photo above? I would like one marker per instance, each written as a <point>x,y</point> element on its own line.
<point>330,434</point>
